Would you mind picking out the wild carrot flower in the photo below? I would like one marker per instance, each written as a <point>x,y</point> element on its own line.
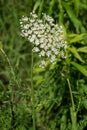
<point>48,39</point>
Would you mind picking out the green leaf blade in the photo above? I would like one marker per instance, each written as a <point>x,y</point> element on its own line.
<point>80,68</point>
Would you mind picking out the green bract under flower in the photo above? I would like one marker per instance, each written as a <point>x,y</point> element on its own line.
<point>47,38</point>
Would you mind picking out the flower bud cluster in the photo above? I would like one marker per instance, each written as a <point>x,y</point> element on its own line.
<point>47,38</point>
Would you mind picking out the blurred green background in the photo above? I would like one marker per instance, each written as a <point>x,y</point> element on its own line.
<point>52,103</point>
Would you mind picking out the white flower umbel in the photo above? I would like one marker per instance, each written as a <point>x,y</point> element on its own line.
<point>48,39</point>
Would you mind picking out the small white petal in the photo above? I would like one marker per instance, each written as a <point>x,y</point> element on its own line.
<point>53,59</point>
<point>42,65</point>
<point>48,53</point>
<point>42,45</point>
<point>26,26</point>
<point>41,40</point>
<point>25,19</point>
<point>31,39</point>
<point>36,32</point>
<point>32,20</point>
<point>37,42</point>
<point>42,53</point>
<point>35,49</point>
<point>29,32</point>
<point>46,48</point>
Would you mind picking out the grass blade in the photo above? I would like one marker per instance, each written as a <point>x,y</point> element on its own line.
<point>80,68</point>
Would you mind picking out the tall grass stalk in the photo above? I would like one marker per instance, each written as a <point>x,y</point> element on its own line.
<point>32,94</point>
<point>61,14</point>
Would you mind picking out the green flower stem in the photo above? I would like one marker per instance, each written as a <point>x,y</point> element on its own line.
<point>72,100</point>
<point>32,94</point>
<point>72,110</point>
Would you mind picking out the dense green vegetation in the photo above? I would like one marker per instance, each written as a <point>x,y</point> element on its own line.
<point>60,91</point>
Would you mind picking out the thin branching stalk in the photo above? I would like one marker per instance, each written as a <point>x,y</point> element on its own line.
<point>10,89</point>
<point>6,58</point>
<point>33,99</point>
<point>32,94</point>
<point>10,66</point>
